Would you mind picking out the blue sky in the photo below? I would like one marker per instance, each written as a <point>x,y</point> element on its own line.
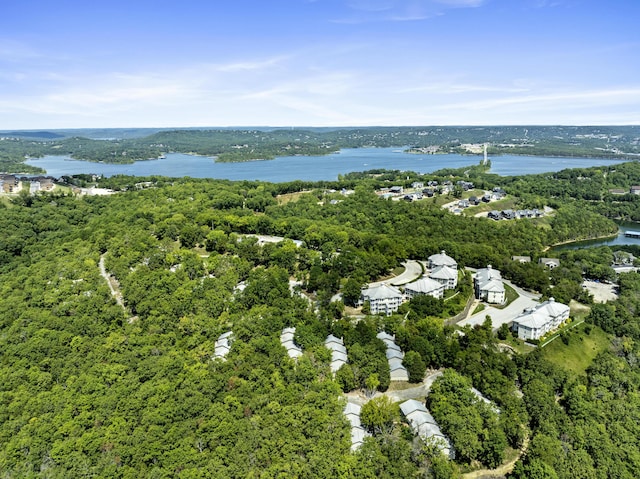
<point>140,63</point>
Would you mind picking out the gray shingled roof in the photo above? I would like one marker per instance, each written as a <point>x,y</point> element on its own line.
<point>286,339</point>
<point>222,346</point>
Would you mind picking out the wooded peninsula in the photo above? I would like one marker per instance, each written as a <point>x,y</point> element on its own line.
<point>162,331</point>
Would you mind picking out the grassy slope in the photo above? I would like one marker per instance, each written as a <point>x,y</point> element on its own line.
<point>582,348</point>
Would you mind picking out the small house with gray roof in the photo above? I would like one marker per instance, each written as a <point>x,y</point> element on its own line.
<point>222,346</point>
<point>358,433</point>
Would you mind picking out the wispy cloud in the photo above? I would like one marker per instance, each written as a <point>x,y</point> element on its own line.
<point>556,100</point>
<point>13,51</point>
<point>361,11</point>
<point>454,89</point>
<point>251,65</point>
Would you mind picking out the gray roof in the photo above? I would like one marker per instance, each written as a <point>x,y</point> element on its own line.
<point>391,345</point>
<point>338,356</point>
<point>542,314</point>
<point>423,422</point>
<point>222,346</point>
<point>395,363</point>
<point>338,352</point>
<point>385,336</point>
<point>286,339</point>
<point>444,272</point>
<point>381,291</point>
<point>424,286</point>
<point>493,286</point>
<point>487,274</point>
<point>332,339</point>
<point>411,406</point>
<point>394,353</point>
<point>358,433</point>
<point>442,259</point>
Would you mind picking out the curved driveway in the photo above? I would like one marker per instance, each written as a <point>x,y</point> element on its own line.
<point>412,271</point>
<point>506,315</point>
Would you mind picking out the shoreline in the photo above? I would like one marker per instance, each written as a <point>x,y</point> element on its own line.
<point>595,238</point>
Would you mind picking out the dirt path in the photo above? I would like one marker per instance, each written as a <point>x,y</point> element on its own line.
<point>500,471</point>
<point>114,286</point>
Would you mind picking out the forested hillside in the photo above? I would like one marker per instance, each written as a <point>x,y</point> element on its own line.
<point>93,388</point>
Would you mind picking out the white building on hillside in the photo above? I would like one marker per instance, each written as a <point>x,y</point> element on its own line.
<point>445,275</point>
<point>383,299</point>
<point>488,285</point>
<point>424,286</point>
<point>534,323</point>
<point>442,259</point>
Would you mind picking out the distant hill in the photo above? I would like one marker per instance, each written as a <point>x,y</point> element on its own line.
<point>40,135</point>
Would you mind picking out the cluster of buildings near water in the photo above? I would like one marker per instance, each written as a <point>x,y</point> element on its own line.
<point>13,185</point>
<point>442,274</point>
<point>420,191</point>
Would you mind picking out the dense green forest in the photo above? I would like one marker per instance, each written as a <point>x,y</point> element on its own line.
<point>95,388</point>
<point>127,146</point>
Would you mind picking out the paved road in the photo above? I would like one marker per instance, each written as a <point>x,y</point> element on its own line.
<point>420,391</point>
<point>506,315</point>
<point>412,271</point>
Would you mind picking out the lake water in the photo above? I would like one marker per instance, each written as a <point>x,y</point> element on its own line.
<point>616,240</point>
<point>311,168</point>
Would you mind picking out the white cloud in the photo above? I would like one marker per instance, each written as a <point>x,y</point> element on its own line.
<point>364,11</point>
<point>251,65</point>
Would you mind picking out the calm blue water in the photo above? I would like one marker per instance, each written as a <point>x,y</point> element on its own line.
<point>311,168</point>
<point>617,240</point>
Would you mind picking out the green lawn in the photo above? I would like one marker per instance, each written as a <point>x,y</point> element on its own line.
<point>509,203</point>
<point>582,348</point>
